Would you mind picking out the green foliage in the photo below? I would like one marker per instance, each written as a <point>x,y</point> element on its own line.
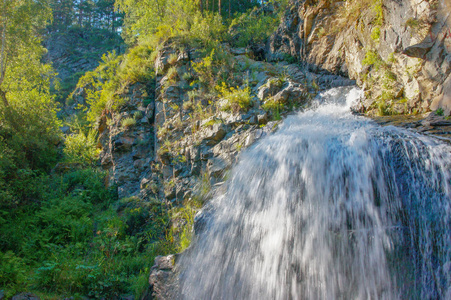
<point>372,58</point>
<point>205,30</point>
<point>376,34</point>
<point>81,241</point>
<point>275,107</point>
<point>173,58</point>
<point>183,235</point>
<point>172,73</point>
<point>105,83</point>
<point>238,98</point>
<point>382,109</point>
<point>82,148</point>
<point>128,122</point>
<point>252,27</point>
<point>12,271</point>
<point>439,112</point>
<point>29,128</point>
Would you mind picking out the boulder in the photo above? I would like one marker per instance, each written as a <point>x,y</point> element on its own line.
<point>214,133</point>
<point>162,278</point>
<point>270,88</point>
<point>216,167</point>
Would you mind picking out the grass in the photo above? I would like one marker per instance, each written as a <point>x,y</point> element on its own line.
<point>128,122</point>
<point>172,58</point>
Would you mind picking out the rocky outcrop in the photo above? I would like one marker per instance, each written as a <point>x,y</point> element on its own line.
<point>200,136</point>
<point>163,280</point>
<point>127,140</point>
<point>398,51</point>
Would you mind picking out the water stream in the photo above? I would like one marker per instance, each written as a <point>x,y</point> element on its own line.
<point>331,206</point>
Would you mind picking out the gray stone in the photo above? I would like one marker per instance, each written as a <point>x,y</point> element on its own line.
<point>270,88</point>
<point>25,296</point>
<point>216,167</point>
<point>418,50</point>
<point>213,134</point>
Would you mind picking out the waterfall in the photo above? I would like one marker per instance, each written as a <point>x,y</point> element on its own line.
<point>331,206</point>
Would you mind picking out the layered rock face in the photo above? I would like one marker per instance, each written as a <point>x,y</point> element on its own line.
<point>128,151</point>
<point>398,51</point>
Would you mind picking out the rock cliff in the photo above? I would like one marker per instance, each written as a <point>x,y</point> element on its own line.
<point>398,51</point>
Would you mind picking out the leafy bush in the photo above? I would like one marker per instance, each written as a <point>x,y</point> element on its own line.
<point>183,235</point>
<point>252,28</point>
<point>238,98</point>
<point>77,243</point>
<point>82,148</point>
<point>106,82</point>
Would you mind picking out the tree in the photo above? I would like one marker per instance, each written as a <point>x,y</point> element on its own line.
<point>29,128</point>
<point>20,22</point>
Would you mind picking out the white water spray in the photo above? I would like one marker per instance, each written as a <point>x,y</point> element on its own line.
<point>332,206</point>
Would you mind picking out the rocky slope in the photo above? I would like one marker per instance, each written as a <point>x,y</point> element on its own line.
<point>398,51</point>
<point>177,142</point>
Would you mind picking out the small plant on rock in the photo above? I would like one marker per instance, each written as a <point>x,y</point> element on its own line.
<point>439,112</point>
<point>128,122</point>
<point>172,58</point>
<point>238,98</point>
<point>172,73</point>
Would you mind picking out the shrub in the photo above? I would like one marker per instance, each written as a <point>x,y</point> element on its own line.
<point>275,107</point>
<point>372,58</point>
<point>82,148</point>
<point>137,65</point>
<point>252,27</point>
<point>184,215</point>
<point>238,98</point>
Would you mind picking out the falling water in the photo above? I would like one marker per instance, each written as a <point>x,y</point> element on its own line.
<point>332,206</point>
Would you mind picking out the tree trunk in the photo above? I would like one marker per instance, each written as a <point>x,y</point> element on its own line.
<point>3,63</point>
<point>201,6</point>
<point>3,96</point>
<point>219,6</point>
<point>230,8</point>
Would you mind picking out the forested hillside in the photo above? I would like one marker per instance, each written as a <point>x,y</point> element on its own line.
<point>120,119</point>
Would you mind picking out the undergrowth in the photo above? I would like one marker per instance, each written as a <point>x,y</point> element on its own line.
<point>80,240</point>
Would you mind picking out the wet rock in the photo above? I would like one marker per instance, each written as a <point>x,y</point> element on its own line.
<point>162,278</point>
<point>293,93</point>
